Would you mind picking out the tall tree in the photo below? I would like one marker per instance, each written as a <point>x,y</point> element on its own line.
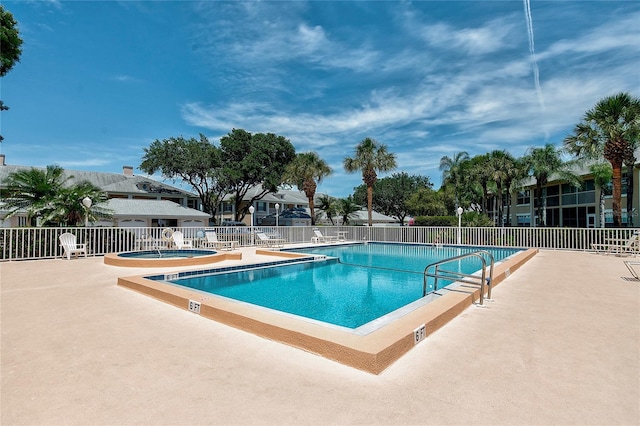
<point>391,194</point>
<point>306,171</point>
<point>195,161</point>
<point>516,174</point>
<point>606,131</point>
<point>451,168</point>
<point>10,49</point>
<point>252,160</point>
<point>370,158</point>
<point>602,174</point>
<point>501,165</point>
<point>542,163</point>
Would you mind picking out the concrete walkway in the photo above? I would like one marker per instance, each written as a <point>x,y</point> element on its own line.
<point>559,345</point>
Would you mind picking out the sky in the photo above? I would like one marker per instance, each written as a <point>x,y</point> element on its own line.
<point>99,81</point>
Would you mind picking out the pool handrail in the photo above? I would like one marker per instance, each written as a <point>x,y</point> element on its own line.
<point>459,276</point>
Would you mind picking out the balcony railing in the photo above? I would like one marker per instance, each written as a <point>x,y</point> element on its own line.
<point>43,243</point>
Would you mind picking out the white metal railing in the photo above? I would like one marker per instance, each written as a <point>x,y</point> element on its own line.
<point>42,243</point>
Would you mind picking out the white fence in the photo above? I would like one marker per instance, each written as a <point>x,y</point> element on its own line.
<point>42,243</point>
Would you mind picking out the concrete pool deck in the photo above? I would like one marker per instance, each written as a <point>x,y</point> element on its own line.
<point>559,345</point>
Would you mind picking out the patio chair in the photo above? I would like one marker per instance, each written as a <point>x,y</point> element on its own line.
<point>615,246</point>
<point>180,241</point>
<point>212,241</point>
<point>70,246</point>
<point>270,241</point>
<point>630,266</point>
<point>324,238</point>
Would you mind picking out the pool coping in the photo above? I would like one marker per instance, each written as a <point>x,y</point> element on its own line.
<point>372,352</point>
<point>114,259</point>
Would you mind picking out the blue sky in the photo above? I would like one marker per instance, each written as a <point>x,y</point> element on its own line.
<point>99,81</point>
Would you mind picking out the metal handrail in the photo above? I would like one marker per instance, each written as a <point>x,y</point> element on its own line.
<point>459,276</point>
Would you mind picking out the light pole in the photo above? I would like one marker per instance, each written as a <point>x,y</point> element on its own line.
<point>459,212</point>
<point>86,202</point>
<point>277,210</point>
<point>251,210</point>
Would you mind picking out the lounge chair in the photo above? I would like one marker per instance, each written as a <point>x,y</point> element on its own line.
<point>212,241</point>
<point>324,238</point>
<point>70,246</point>
<point>270,241</point>
<point>630,266</point>
<point>614,246</point>
<point>180,241</point>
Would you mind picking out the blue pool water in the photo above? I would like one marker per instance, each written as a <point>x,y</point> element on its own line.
<point>358,284</point>
<point>166,254</point>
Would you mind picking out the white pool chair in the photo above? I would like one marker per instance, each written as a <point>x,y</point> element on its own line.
<point>324,238</point>
<point>70,246</point>
<point>614,246</point>
<point>212,241</point>
<point>631,264</point>
<point>180,241</point>
<point>269,241</point>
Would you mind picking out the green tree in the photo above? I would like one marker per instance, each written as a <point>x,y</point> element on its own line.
<point>542,163</point>
<point>451,168</point>
<point>346,208</point>
<point>306,171</point>
<point>329,206</point>
<point>391,194</point>
<point>66,207</point>
<point>252,160</point>
<point>370,158</point>
<point>515,175</point>
<point>195,161</point>
<point>10,49</point>
<point>427,202</point>
<point>31,190</point>
<point>501,165</point>
<point>606,131</point>
<point>602,174</point>
<point>44,194</point>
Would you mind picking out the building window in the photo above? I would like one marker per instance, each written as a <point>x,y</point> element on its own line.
<point>524,197</point>
<point>524,219</point>
<point>262,206</point>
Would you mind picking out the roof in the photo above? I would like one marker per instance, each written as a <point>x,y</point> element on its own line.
<point>109,182</point>
<point>156,208</point>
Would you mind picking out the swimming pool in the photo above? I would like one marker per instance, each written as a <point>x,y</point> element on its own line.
<point>353,285</point>
<point>371,347</point>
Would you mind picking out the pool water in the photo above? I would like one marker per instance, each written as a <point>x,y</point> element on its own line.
<point>166,254</point>
<point>356,285</point>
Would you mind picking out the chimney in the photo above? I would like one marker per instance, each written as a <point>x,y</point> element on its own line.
<point>2,157</point>
<point>127,170</point>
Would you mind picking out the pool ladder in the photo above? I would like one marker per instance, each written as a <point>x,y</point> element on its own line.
<point>481,280</point>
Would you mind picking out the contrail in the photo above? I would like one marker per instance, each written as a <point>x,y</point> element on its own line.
<point>532,51</point>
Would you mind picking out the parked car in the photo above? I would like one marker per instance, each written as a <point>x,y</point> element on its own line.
<point>297,216</point>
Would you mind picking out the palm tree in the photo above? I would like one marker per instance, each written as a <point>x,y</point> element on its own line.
<point>328,205</point>
<point>602,174</point>
<point>516,173</point>
<point>32,190</point>
<point>306,171</point>
<point>542,163</point>
<point>43,195</point>
<point>370,158</point>
<point>606,131</point>
<point>66,207</point>
<point>346,209</point>
<point>451,169</point>
<point>500,165</point>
